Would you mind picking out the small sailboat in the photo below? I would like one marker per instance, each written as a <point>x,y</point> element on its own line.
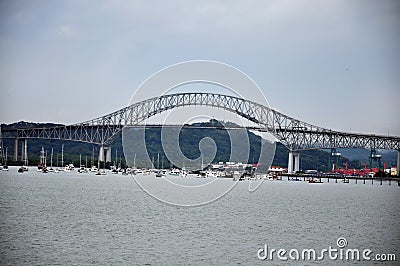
<point>44,168</point>
<point>41,160</point>
<point>51,161</point>
<point>62,159</point>
<point>114,169</point>
<point>5,166</point>
<point>100,172</point>
<point>57,169</point>
<point>82,168</point>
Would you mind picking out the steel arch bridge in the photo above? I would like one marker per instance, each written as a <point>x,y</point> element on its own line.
<point>293,133</point>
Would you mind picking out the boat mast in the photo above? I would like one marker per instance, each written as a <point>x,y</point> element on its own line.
<point>41,157</point>
<point>2,152</point>
<point>51,159</point>
<point>116,159</point>
<point>98,163</point>
<point>62,155</point>
<point>93,156</point>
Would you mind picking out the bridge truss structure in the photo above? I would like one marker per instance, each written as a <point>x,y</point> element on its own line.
<point>293,133</point>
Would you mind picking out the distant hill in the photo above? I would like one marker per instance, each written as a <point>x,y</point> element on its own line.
<point>189,140</point>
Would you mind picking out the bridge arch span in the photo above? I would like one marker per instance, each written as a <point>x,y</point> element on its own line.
<point>293,133</point>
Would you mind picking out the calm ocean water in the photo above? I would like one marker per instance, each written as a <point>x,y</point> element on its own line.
<point>80,219</point>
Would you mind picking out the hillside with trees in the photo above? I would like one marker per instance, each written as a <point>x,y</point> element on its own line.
<point>189,139</point>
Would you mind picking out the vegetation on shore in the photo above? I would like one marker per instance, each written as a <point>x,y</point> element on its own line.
<point>189,143</point>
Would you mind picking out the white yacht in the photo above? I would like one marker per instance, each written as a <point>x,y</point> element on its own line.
<point>175,172</point>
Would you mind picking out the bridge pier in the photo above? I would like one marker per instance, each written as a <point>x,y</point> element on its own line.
<point>296,161</point>
<point>101,154</point>
<point>108,154</point>
<point>107,151</point>
<point>23,151</point>
<point>293,160</point>
<point>290,163</point>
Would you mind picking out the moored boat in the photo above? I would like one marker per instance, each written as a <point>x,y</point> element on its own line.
<point>23,169</point>
<point>314,180</point>
<point>175,172</point>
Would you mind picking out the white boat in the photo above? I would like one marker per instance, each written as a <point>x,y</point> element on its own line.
<point>175,172</point>
<point>137,171</point>
<point>68,168</point>
<point>102,172</point>
<point>237,176</point>
<point>82,169</point>
<point>159,174</point>
<point>211,174</point>
<point>128,170</point>
<point>51,161</point>
<point>23,169</point>
<point>42,161</point>
<point>93,169</point>
<point>5,159</point>
<point>114,171</point>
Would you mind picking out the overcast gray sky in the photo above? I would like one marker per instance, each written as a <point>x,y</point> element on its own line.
<point>335,64</point>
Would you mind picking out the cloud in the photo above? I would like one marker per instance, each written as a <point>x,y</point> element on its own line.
<point>66,31</point>
<point>297,51</point>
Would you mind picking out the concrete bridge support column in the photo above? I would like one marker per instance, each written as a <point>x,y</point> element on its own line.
<point>101,154</point>
<point>108,154</point>
<point>296,161</point>
<point>16,150</point>
<point>290,163</point>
